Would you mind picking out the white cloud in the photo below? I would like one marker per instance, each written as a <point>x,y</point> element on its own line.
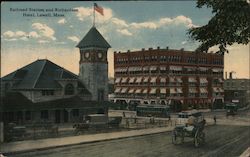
<point>20,34</point>
<point>74,38</point>
<point>181,19</point>
<point>12,39</point>
<point>165,21</point>
<point>9,34</point>
<point>24,38</point>
<point>149,25</point>
<point>43,41</point>
<point>124,32</point>
<point>62,42</point>
<point>83,13</point>
<point>86,13</point>
<point>178,20</point>
<point>184,42</point>
<point>108,14</point>
<point>44,30</point>
<point>62,21</point>
<point>33,34</point>
<point>119,22</point>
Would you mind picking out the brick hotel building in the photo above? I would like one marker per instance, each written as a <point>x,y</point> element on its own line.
<point>179,78</point>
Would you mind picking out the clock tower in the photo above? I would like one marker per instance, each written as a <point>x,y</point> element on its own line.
<point>93,64</point>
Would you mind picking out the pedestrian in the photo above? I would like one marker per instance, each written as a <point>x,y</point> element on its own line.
<point>169,118</point>
<point>127,123</point>
<point>123,113</point>
<point>214,119</point>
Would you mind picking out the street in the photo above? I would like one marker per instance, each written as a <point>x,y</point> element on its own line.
<point>221,140</point>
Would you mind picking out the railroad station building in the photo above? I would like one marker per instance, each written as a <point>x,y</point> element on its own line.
<point>44,91</point>
<point>179,78</point>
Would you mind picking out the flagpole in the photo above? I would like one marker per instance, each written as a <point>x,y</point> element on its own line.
<point>94,14</point>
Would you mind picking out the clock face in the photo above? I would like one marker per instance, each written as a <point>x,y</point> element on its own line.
<point>86,55</point>
<point>99,55</point>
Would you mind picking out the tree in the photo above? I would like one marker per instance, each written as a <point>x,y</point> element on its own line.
<point>230,24</point>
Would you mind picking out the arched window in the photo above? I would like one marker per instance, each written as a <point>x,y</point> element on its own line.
<point>69,89</point>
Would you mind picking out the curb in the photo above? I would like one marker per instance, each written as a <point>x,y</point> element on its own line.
<point>79,143</point>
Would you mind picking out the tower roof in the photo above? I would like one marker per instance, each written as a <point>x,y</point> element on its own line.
<point>93,39</point>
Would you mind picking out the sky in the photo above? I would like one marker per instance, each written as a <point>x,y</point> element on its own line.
<point>126,25</point>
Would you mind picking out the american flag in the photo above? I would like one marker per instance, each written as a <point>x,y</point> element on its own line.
<point>99,9</point>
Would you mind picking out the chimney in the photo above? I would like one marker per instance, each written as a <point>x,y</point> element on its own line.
<point>114,51</point>
<point>143,49</point>
<point>167,48</point>
<point>150,48</point>
<point>128,51</point>
<point>182,49</point>
<point>158,48</point>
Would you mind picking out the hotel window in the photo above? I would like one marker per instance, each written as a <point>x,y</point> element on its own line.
<point>44,114</point>
<point>75,112</point>
<point>47,92</point>
<point>27,115</point>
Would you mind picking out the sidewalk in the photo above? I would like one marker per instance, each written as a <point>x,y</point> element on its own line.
<point>33,145</point>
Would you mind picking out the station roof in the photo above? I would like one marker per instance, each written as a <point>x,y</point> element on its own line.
<point>40,74</point>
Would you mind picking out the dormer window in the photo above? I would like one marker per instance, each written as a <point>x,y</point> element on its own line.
<point>69,89</point>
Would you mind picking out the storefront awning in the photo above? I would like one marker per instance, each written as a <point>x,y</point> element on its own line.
<point>153,68</point>
<point>172,91</point>
<point>131,69</point>
<point>117,90</point>
<point>203,90</point>
<point>221,90</point>
<point>163,68</point>
<point>145,91</point>
<point>153,91</point>
<point>131,90</point>
<point>217,70</point>
<point>203,80</point>
<point>163,90</point>
<point>145,79</point>
<point>179,90</point>
<point>124,90</point>
<point>172,79</point>
<point>179,79</point>
<point>153,79</point>
<point>216,89</point>
<point>220,80</point>
<point>124,79</point>
<point>190,68</point>
<point>192,90</point>
<point>203,68</point>
<point>163,80</point>
<point>146,68</point>
<point>138,91</point>
<point>175,68</point>
<point>138,80</point>
<point>192,79</point>
<point>131,80</point>
<point>117,80</point>
<point>122,69</point>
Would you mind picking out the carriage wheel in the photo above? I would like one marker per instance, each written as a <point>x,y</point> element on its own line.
<point>199,138</point>
<point>177,139</point>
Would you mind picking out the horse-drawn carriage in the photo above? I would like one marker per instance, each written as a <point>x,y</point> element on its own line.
<point>194,128</point>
